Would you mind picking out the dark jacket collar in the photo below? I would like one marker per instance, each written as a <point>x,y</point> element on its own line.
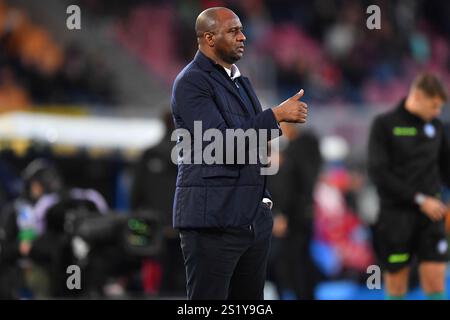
<point>209,64</point>
<point>220,75</point>
<point>402,109</point>
<point>205,62</point>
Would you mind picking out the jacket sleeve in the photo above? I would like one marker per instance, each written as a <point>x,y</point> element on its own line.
<point>444,160</point>
<point>193,100</point>
<point>379,161</point>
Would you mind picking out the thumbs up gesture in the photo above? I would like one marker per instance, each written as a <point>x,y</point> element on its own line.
<point>292,110</point>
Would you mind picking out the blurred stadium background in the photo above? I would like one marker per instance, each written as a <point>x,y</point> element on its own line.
<point>94,102</point>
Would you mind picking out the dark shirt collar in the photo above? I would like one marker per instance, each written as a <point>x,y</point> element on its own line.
<point>402,108</point>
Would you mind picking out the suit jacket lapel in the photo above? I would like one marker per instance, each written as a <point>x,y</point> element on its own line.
<point>229,86</point>
<point>206,64</point>
<point>251,94</point>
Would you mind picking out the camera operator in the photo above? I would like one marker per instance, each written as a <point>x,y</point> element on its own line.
<point>35,228</point>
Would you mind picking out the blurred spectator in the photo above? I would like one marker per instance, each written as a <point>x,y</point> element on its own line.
<point>48,72</point>
<point>12,96</point>
<point>301,163</point>
<point>154,179</point>
<point>342,244</point>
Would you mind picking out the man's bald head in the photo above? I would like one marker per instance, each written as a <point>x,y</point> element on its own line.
<point>220,36</point>
<point>211,19</point>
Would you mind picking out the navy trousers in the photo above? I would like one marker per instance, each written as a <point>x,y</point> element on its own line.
<point>228,263</point>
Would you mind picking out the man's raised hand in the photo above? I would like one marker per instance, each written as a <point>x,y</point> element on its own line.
<point>292,110</point>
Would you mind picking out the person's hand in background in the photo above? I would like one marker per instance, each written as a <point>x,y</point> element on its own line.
<point>433,208</point>
<point>447,219</point>
<point>280,225</point>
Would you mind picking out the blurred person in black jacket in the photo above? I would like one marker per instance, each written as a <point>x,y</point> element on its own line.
<point>10,278</point>
<point>293,188</point>
<point>409,162</point>
<point>152,190</point>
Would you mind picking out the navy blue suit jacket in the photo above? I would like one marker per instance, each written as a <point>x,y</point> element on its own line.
<point>218,195</point>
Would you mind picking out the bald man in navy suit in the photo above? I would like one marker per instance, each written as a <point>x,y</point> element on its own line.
<point>223,211</point>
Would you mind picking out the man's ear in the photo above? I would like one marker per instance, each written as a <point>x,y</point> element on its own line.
<point>209,38</point>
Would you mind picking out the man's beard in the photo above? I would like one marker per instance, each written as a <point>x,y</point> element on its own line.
<point>228,57</point>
